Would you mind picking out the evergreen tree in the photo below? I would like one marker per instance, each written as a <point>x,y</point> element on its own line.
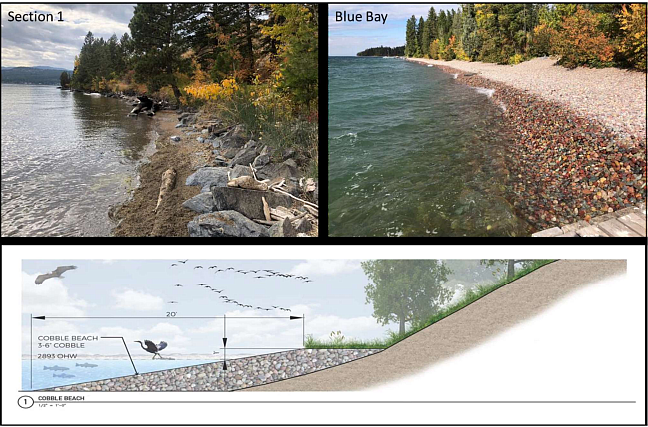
<point>410,37</point>
<point>65,80</point>
<point>419,35</point>
<point>432,24</point>
<point>161,35</point>
<point>469,38</point>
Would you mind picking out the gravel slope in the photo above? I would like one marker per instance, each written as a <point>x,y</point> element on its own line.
<point>615,97</point>
<point>460,331</point>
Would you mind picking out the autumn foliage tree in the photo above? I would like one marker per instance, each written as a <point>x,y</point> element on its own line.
<point>633,41</point>
<point>581,42</point>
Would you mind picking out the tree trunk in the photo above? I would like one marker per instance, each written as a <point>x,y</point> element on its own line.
<point>249,47</point>
<point>511,269</point>
<point>401,328</point>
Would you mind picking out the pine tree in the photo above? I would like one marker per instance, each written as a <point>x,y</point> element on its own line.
<point>432,24</point>
<point>419,35</point>
<point>161,35</point>
<point>410,37</point>
<point>469,38</point>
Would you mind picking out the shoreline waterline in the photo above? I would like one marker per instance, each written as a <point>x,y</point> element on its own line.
<point>564,167</point>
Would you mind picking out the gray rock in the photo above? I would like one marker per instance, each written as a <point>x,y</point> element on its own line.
<point>200,139</point>
<point>235,138</point>
<point>201,203</point>
<point>283,228</point>
<point>246,155</point>
<point>261,160</point>
<point>288,153</point>
<point>225,224</point>
<point>205,131</point>
<point>206,177</point>
<point>180,125</point>
<point>247,202</point>
<point>302,225</point>
<point>175,138</point>
<point>230,152</point>
<point>240,170</point>
<point>286,170</point>
<point>220,160</point>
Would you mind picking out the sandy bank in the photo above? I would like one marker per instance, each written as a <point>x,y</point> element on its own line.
<point>465,329</point>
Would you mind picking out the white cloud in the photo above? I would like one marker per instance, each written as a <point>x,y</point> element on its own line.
<point>50,298</point>
<point>325,267</point>
<point>137,300</point>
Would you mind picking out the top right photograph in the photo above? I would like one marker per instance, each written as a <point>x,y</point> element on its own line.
<point>487,120</point>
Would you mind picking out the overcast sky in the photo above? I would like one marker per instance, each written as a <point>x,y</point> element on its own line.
<point>349,38</point>
<point>56,43</point>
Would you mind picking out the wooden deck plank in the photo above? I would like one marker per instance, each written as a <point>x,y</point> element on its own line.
<point>616,228</point>
<point>591,231</point>
<point>634,222</point>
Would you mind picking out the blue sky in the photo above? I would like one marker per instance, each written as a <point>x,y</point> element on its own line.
<point>349,38</point>
<point>334,300</point>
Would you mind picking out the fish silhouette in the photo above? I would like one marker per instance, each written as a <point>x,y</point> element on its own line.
<point>87,365</point>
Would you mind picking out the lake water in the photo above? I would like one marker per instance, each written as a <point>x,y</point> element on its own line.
<point>414,153</point>
<point>44,378</point>
<point>66,158</point>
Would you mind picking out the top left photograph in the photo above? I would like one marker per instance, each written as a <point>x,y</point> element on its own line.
<point>160,120</point>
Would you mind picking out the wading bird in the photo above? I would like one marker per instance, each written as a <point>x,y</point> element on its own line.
<point>152,348</point>
<point>56,273</point>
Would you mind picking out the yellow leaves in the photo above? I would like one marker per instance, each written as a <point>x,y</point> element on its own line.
<point>213,91</point>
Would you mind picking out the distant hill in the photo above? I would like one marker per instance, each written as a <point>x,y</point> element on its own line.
<point>32,75</point>
<point>383,51</point>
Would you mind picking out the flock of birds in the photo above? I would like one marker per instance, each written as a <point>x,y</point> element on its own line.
<point>260,274</point>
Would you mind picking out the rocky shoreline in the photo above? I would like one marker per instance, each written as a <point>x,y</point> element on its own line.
<point>241,373</point>
<point>245,188</point>
<point>563,167</point>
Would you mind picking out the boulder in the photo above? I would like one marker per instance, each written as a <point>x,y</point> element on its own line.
<point>201,203</point>
<point>240,170</point>
<point>303,225</point>
<point>261,160</point>
<point>206,177</point>
<point>200,139</point>
<point>246,155</point>
<point>225,224</point>
<point>235,138</point>
<point>247,202</point>
<point>288,153</point>
<point>229,152</point>
<point>287,169</point>
<point>175,138</point>
<point>283,228</point>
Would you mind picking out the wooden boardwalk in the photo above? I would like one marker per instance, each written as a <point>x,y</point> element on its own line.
<point>628,222</point>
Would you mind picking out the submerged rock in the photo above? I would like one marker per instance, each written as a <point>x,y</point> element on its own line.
<point>225,224</point>
<point>206,177</point>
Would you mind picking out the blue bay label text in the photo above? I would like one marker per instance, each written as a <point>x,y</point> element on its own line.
<point>343,16</point>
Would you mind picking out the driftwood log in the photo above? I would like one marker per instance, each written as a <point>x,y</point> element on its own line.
<point>248,182</point>
<point>168,183</point>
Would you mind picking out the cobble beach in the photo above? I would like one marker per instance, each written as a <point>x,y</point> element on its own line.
<point>579,146</point>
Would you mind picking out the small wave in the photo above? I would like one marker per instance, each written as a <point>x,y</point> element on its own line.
<point>502,106</point>
<point>352,135</point>
<point>430,65</point>
<point>484,91</point>
<point>364,171</point>
<point>454,76</point>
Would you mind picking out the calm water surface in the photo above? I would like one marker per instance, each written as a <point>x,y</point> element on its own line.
<point>414,153</point>
<point>66,158</point>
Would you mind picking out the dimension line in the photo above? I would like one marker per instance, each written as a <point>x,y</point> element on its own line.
<point>164,317</point>
<point>31,352</point>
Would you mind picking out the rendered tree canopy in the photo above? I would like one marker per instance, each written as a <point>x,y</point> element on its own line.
<point>406,290</point>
